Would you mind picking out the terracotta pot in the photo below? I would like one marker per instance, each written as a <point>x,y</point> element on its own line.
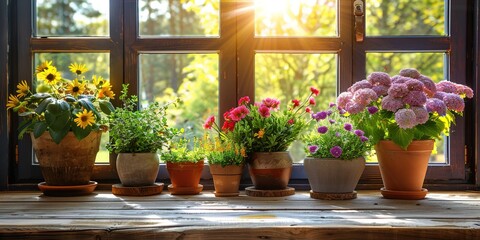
<point>330,175</point>
<point>270,170</point>
<point>137,169</point>
<point>185,177</point>
<point>403,170</point>
<point>226,179</point>
<point>68,163</point>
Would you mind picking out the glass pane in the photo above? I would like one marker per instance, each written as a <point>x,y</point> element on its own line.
<point>97,64</point>
<point>191,77</point>
<point>179,17</point>
<point>405,17</point>
<point>429,64</point>
<point>289,76</point>
<point>296,18</point>
<point>72,18</point>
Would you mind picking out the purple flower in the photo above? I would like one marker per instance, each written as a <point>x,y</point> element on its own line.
<point>380,90</point>
<point>313,149</point>
<point>410,72</point>
<point>364,84</point>
<point>436,105</point>
<point>428,84</point>
<point>329,112</point>
<point>372,109</point>
<point>400,79</point>
<point>454,102</point>
<point>331,121</point>
<point>379,78</point>
<point>398,90</point>
<point>392,104</point>
<point>354,108</point>
<point>322,129</point>
<point>446,86</point>
<point>331,104</point>
<point>363,138</point>
<point>414,85</point>
<point>364,96</point>
<point>347,126</point>
<point>344,98</point>
<point>421,114</point>
<point>415,98</point>
<point>439,95</point>
<point>319,115</point>
<point>342,111</point>
<point>406,118</point>
<point>337,134</point>
<point>359,132</point>
<point>336,151</point>
<point>464,90</point>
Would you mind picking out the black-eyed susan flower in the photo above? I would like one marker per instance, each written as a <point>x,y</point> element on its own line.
<point>13,102</point>
<point>22,89</point>
<point>78,68</point>
<point>50,76</point>
<point>84,119</point>
<point>98,81</point>
<point>43,66</point>
<point>75,88</point>
<point>106,91</point>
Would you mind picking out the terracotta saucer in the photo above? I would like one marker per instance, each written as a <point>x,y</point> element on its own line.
<point>408,195</point>
<point>67,191</point>
<point>234,194</point>
<point>185,190</point>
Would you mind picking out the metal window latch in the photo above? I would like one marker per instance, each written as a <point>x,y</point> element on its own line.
<point>358,12</point>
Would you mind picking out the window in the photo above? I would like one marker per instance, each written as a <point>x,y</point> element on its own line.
<point>219,51</point>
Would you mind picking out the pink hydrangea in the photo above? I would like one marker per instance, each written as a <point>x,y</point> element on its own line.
<point>436,105</point>
<point>395,78</point>
<point>392,104</point>
<point>398,90</point>
<point>428,84</point>
<point>354,107</point>
<point>379,78</point>
<point>446,86</point>
<point>415,98</point>
<point>464,90</point>
<point>380,90</point>
<point>439,95</point>
<point>271,103</point>
<point>410,72</point>
<point>359,85</point>
<point>406,118</point>
<point>421,114</point>
<point>414,85</point>
<point>344,98</point>
<point>454,102</point>
<point>364,96</point>
<point>400,79</point>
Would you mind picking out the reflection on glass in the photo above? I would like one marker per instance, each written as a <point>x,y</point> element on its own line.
<point>429,64</point>
<point>191,77</point>
<point>296,18</point>
<point>179,18</point>
<point>97,64</point>
<point>72,18</point>
<point>289,76</point>
<point>405,17</point>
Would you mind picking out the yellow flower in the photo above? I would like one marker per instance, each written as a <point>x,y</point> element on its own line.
<point>43,66</point>
<point>78,68</point>
<point>84,119</point>
<point>260,133</point>
<point>243,152</point>
<point>98,81</point>
<point>106,91</point>
<point>12,102</point>
<point>50,76</point>
<point>75,88</point>
<point>23,89</point>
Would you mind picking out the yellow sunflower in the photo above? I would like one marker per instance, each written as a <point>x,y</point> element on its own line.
<point>84,119</point>
<point>75,88</point>
<point>50,76</point>
<point>98,81</point>
<point>78,68</point>
<point>13,102</point>
<point>23,89</point>
<point>106,91</point>
<point>43,66</point>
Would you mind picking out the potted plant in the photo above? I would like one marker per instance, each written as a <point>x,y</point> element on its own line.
<point>63,117</point>
<point>335,155</point>
<point>185,160</point>
<point>136,136</point>
<point>225,159</point>
<point>267,132</point>
<point>403,115</point>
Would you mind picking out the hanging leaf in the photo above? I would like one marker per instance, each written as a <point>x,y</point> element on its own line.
<point>39,128</point>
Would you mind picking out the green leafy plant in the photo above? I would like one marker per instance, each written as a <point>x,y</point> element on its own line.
<point>335,137</point>
<point>139,131</point>
<point>184,149</point>
<point>61,105</point>
<point>223,152</point>
<point>405,107</point>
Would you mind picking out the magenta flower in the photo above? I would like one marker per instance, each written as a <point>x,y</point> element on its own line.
<point>244,100</point>
<point>311,101</point>
<point>347,126</point>
<point>331,121</point>
<point>436,105</point>
<point>360,85</point>
<point>364,96</point>
<point>295,103</point>
<point>239,113</point>
<point>209,122</point>
<point>331,104</point>
<point>314,91</point>
<point>336,151</point>
<point>406,118</point>
<point>319,115</point>
<point>313,149</point>
<point>264,111</point>
<point>359,132</point>
<point>414,85</point>
<point>337,134</point>
<point>272,103</point>
<point>372,109</point>
<point>454,102</point>
<point>421,114</point>
<point>379,78</point>
<point>410,72</point>
<point>398,90</point>
<point>322,129</point>
<point>363,138</point>
<point>415,98</point>
<point>392,104</point>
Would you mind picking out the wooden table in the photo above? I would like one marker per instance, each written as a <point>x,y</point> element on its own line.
<point>443,215</point>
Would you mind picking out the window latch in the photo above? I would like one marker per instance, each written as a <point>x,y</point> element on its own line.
<point>358,12</point>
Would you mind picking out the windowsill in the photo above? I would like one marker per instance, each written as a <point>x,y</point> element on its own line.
<point>442,215</point>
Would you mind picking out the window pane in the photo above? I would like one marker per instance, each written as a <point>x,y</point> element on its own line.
<point>72,18</point>
<point>296,17</point>
<point>289,76</point>
<point>429,64</point>
<point>405,17</point>
<point>179,18</point>
<point>97,64</point>
<point>191,77</point>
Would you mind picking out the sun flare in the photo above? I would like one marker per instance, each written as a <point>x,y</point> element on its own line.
<point>271,7</point>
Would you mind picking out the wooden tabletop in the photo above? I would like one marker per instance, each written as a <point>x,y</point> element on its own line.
<point>102,215</point>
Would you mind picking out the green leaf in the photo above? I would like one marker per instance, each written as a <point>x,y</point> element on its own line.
<point>58,107</point>
<point>39,128</point>
<point>85,102</point>
<point>57,122</point>
<point>43,105</point>
<point>402,137</point>
<point>38,96</point>
<point>58,135</point>
<point>79,132</point>
<point>70,98</point>
<point>24,127</point>
<point>106,107</point>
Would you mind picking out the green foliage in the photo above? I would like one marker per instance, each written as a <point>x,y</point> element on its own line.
<point>182,149</point>
<point>223,152</point>
<point>139,131</point>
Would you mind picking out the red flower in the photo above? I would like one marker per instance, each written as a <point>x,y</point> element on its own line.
<point>227,116</point>
<point>264,111</point>
<point>244,100</point>
<point>312,101</point>
<point>209,122</point>
<point>314,91</point>
<point>308,110</point>
<point>291,121</point>
<point>228,126</point>
<point>296,103</point>
<point>271,103</point>
<point>239,113</point>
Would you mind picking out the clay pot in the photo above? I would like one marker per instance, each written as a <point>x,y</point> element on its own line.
<point>270,170</point>
<point>68,163</point>
<point>185,177</point>
<point>137,169</point>
<point>403,171</point>
<point>330,175</point>
<point>226,179</point>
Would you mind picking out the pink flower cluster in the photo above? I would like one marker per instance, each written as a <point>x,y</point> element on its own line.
<point>410,95</point>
